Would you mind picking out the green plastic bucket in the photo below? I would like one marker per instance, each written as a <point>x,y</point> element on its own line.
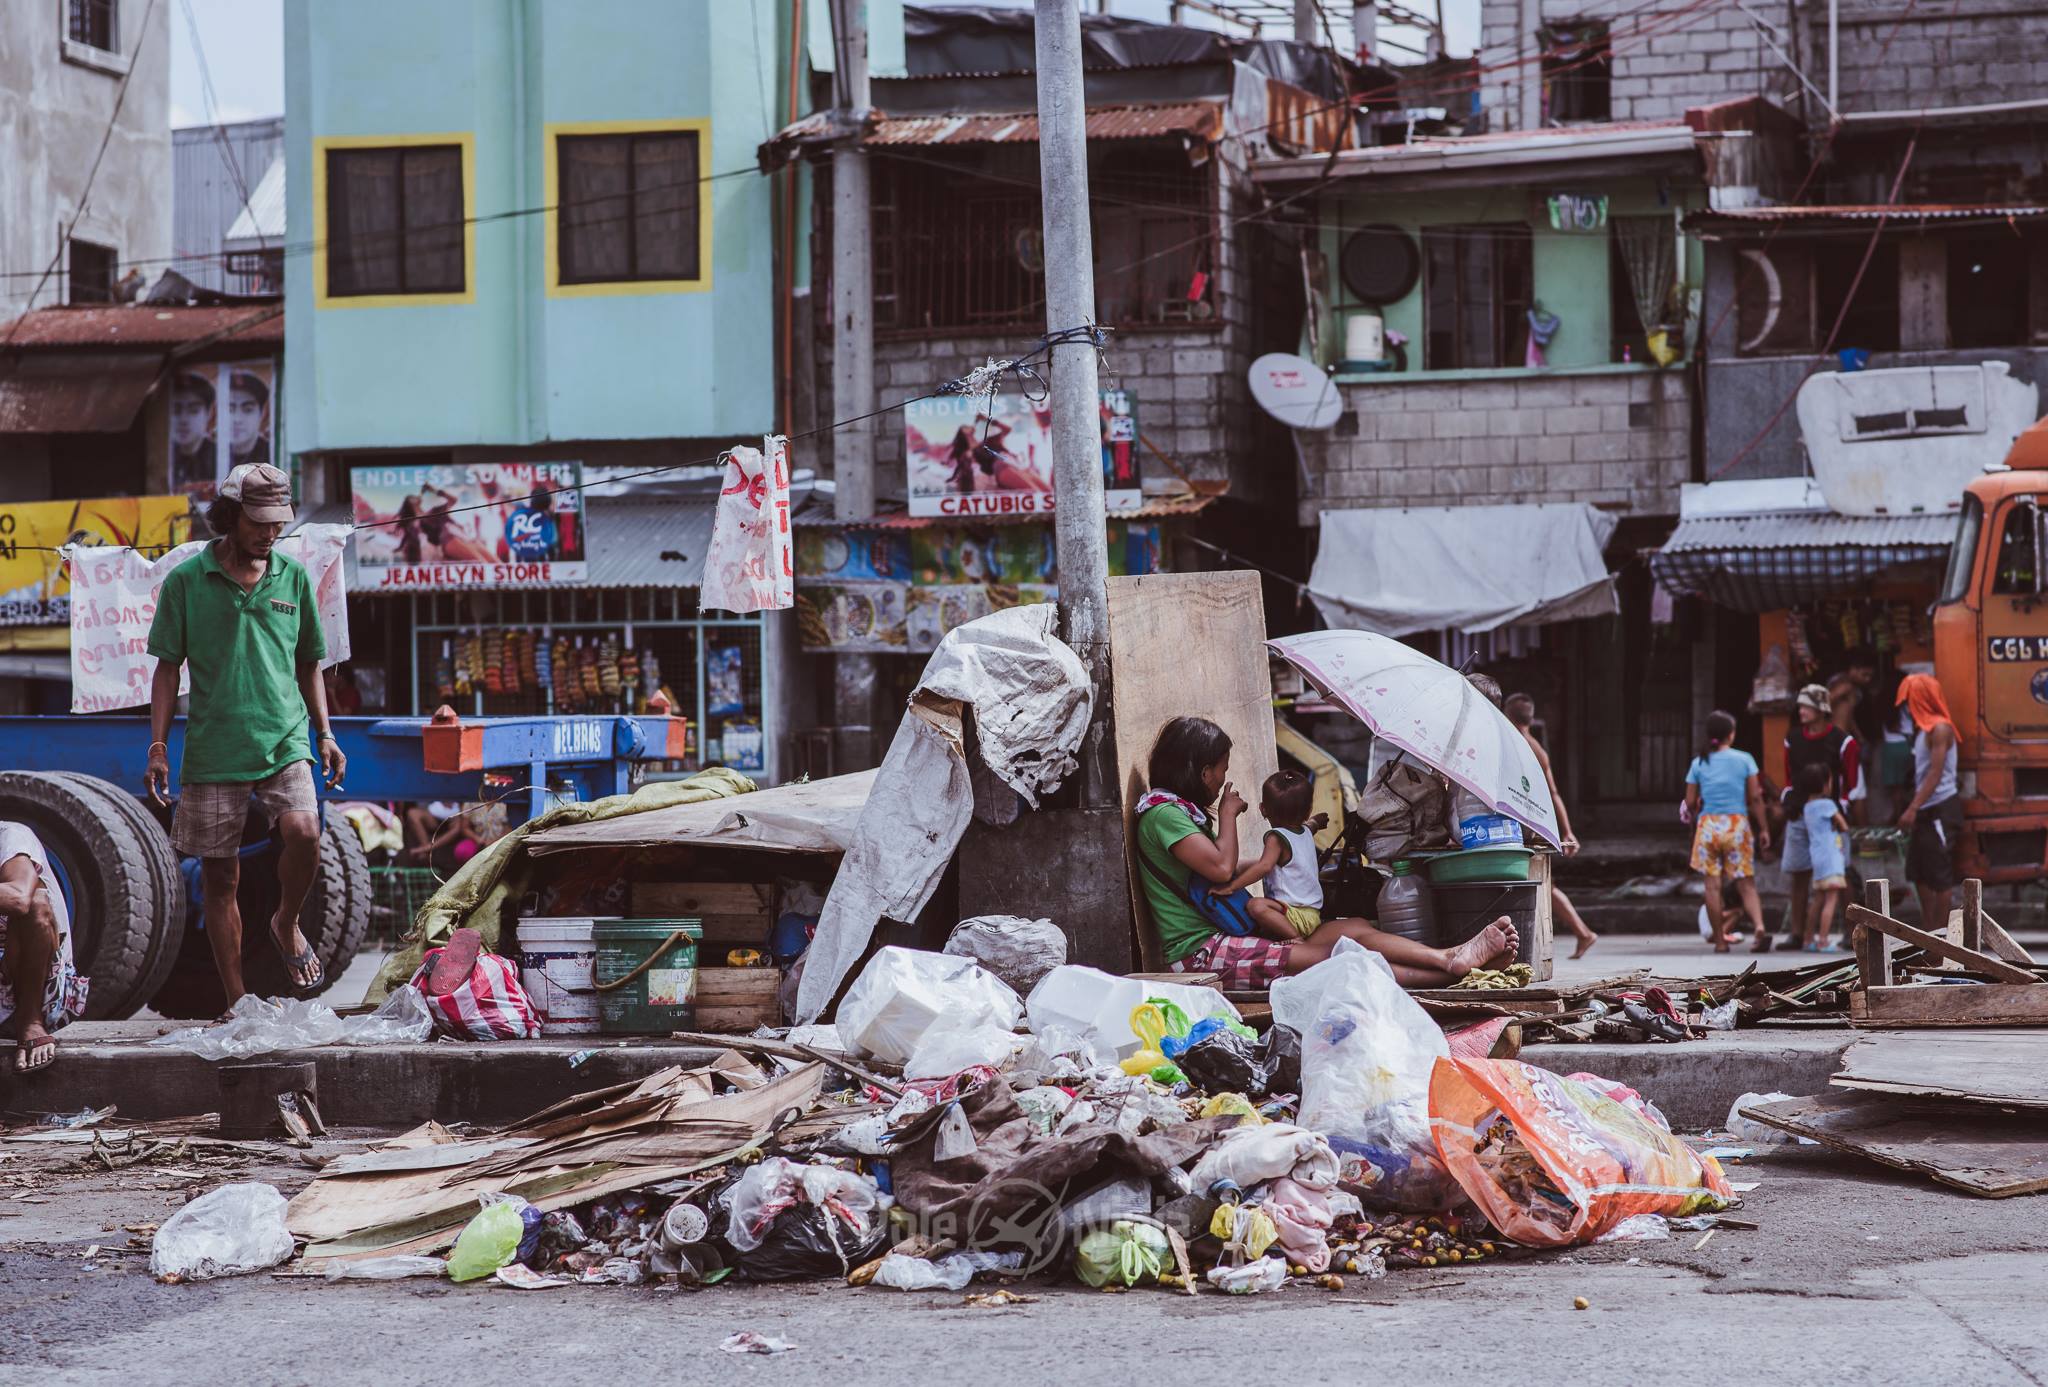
<point>645,972</point>
<point>1480,864</point>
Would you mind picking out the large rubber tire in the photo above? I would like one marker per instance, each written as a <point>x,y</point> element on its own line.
<point>355,876</point>
<point>170,909</point>
<point>329,920</point>
<point>103,859</point>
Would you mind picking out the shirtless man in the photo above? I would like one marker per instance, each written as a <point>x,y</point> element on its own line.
<point>40,990</point>
<point>1521,711</point>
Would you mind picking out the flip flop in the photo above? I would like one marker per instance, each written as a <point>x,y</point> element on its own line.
<point>293,963</point>
<point>24,1065</point>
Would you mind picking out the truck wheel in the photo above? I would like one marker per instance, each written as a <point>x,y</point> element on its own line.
<point>102,861</point>
<point>355,877</point>
<point>169,902</point>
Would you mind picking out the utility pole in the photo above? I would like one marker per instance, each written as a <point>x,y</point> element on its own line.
<point>1306,29</point>
<point>1079,532</point>
<point>853,347</point>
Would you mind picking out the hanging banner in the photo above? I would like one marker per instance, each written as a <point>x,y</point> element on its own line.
<point>35,583</point>
<point>970,455</point>
<point>750,565</point>
<point>479,525</point>
<point>113,602</point>
<point>222,415</point>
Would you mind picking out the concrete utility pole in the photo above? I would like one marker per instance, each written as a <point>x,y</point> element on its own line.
<point>853,348</point>
<point>1079,534</point>
<point>1307,28</point>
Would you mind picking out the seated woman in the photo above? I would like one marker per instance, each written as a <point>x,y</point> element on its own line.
<point>1179,838</point>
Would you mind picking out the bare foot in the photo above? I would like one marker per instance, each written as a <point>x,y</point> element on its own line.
<point>35,1050</point>
<point>1485,949</point>
<point>1586,943</point>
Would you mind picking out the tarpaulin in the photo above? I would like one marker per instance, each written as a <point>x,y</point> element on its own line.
<point>1461,568</point>
<point>808,816</point>
<point>1030,700</point>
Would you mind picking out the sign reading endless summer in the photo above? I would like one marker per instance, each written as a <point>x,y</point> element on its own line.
<point>478,525</point>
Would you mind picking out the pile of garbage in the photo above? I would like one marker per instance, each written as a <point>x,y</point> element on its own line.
<point>1119,1131</point>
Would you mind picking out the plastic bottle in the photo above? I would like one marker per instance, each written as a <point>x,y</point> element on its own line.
<point>1405,907</point>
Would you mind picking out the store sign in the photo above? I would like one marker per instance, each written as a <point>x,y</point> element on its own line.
<point>481,525</point>
<point>35,582</point>
<point>1577,212</point>
<point>221,417</point>
<point>976,455</point>
<point>113,603</point>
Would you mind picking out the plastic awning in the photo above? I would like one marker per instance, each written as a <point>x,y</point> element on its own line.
<point>1461,568</point>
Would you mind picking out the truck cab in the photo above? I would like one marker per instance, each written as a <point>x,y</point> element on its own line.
<point>1991,656</point>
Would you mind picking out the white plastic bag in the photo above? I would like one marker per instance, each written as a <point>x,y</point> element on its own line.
<point>225,1232</point>
<point>1249,1156</point>
<point>905,1273</point>
<point>1017,950</point>
<point>261,1026</point>
<point>747,566</point>
<point>1367,1050</point>
<point>903,992</point>
<point>1748,1129</point>
<point>947,1048</point>
<point>1097,1007</point>
<point>771,1186</point>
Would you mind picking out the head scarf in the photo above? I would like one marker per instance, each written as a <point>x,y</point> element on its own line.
<point>1921,696</point>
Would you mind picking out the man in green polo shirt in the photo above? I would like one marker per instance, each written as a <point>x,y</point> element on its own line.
<point>243,617</point>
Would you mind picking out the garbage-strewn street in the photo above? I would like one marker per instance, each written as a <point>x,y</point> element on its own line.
<point>1855,1275</point>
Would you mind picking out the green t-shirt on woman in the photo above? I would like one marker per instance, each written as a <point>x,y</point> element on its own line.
<point>1181,929</point>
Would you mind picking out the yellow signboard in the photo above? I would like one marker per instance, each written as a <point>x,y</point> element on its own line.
<point>35,588</point>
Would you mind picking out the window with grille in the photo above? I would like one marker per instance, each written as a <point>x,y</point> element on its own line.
<point>395,221</point>
<point>95,23</point>
<point>629,207</point>
<point>92,272</point>
<point>958,243</point>
<point>1477,295</point>
<point>1578,72</point>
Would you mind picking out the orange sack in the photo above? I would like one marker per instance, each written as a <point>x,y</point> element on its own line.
<point>1551,1162</point>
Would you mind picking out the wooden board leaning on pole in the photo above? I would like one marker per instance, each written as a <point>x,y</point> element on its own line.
<point>2018,997</point>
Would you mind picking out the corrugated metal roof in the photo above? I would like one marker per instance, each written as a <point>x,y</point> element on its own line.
<point>262,220</point>
<point>146,325</point>
<point>1858,214</point>
<point>1812,530</point>
<point>1152,508</point>
<point>99,394</point>
<point>631,542</point>
<point>1202,120</point>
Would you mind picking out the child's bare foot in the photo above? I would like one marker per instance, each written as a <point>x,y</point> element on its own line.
<point>1586,943</point>
<point>1490,947</point>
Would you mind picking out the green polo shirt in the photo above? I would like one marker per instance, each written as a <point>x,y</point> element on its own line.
<point>247,718</point>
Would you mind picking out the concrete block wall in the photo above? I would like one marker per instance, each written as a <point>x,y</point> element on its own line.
<point>1973,52</point>
<point>1665,62</point>
<point>1618,439</point>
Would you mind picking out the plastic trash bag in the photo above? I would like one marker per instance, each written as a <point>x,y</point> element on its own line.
<point>948,1047</point>
<point>1551,1162</point>
<point>1017,950</point>
<point>1127,1252</point>
<point>488,1241</point>
<point>489,1005</point>
<point>1253,1278</point>
<point>1222,1061</point>
<point>905,1273</point>
<point>903,992</point>
<point>1748,1129</point>
<point>261,1026</point>
<point>769,1189</point>
<point>1627,1097</point>
<point>1367,1048</point>
<point>235,1229</point>
<point>805,1242</point>
<point>1249,1156</point>
<point>1096,1007</point>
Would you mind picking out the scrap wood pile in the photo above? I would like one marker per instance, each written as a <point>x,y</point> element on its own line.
<point>1116,1131</point>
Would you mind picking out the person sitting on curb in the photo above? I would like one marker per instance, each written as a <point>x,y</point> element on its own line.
<point>40,990</point>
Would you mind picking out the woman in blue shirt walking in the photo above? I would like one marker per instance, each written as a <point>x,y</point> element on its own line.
<point>1722,793</point>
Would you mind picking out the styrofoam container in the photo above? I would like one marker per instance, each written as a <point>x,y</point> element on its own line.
<point>555,958</point>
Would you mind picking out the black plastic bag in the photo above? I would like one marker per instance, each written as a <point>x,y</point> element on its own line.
<point>801,1245</point>
<point>1228,1063</point>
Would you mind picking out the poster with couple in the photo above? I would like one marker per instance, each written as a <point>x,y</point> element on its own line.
<point>475,525</point>
<point>973,455</point>
<point>222,415</point>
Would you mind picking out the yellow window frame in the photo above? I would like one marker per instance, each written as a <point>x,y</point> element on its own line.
<point>466,140</point>
<point>551,155</point>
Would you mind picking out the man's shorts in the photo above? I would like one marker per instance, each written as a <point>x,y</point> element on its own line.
<point>210,817</point>
<point>1931,853</point>
<point>1722,846</point>
<point>1243,963</point>
<point>1798,847</point>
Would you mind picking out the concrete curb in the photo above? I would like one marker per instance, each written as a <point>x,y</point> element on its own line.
<point>394,1086</point>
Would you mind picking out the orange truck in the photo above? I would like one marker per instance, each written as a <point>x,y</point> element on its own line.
<point>1991,655</point>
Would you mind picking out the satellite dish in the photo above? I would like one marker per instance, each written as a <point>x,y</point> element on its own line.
<point>1380,264</point>
<point>1296,391</point>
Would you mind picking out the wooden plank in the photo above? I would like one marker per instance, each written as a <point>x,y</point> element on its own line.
<point>663,900</point>
<point>1985,1153</point>
<point>1972,934</point>
<point>2006,1068</point>
<point>1997,941</point>
<point>733,986</point>
<point>1951,1004</point>
<point>1935,944</point>
<point>738,1018</point>
<point>1189,644</point>
<point>1874,949</point>
<point>1542,957</point>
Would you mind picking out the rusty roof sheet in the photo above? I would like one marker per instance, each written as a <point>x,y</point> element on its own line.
<point>1202,120</point>
<point>1853,214</point>
<point>156,327</point>
<point>96,394</point>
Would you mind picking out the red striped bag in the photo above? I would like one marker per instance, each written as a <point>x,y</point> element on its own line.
<point>490,1006</point>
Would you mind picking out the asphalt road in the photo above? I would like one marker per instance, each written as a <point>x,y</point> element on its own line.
<point>1856,1275</point>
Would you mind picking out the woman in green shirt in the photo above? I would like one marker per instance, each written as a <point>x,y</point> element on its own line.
<point>1187,827</point>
